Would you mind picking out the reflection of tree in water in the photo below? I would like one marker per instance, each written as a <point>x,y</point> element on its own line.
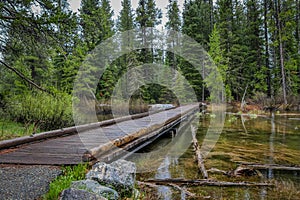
<point>164,173</point>
<point>271,157</point>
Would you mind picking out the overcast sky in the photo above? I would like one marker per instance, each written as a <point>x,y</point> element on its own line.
<point>116,6</point>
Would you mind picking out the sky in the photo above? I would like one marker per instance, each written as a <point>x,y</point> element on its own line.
<point>116,6</point>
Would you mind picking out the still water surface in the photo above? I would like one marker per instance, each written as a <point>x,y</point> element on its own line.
<point>270,139</point>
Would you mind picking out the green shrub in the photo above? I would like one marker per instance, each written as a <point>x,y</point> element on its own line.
<point>45,111</point>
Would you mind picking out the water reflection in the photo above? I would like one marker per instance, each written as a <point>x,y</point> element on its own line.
<point>264,140</point>
<point>271,157</point>
<point>164,173</point>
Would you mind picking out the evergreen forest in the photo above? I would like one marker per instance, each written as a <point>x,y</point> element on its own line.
<point>255,44</point>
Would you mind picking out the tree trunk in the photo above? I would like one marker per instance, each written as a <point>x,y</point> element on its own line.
<point>267,61</point>
<point>281,50</point>
<point>298,32</point>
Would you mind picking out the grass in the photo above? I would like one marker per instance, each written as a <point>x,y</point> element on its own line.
<point>70,173</point>
<point>10,129</point>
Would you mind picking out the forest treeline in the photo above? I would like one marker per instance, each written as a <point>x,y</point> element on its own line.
<point>254,43</point>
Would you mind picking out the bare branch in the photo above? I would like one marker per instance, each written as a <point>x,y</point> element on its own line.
<point>22,76</point>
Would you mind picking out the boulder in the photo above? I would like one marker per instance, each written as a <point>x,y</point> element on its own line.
<point>119,174</point>
<point>72,194</point>
<point>96,188</point>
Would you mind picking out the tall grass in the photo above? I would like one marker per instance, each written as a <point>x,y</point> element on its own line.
<point>44,111</point>
<point>11,129</point>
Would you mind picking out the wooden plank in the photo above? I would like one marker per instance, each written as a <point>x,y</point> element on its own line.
<point>70,149</point>
<point>97,152</point>
<point>67,131</point>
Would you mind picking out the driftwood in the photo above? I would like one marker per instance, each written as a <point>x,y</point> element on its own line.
<point>272,166</point>
<point>185,191</point>
<point>205,182</point>
<point>198,154</point>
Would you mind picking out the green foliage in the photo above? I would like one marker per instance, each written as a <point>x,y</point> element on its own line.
<point>96,22</point>
<point>198,21</point>
<point>126,18</point>
<point>255,44</point>
<point>173,14</point>
<point>64,181</point>
<point>10,129</point>
<point>147,14</point>
<point>217,54</point>
<point>43,110</point>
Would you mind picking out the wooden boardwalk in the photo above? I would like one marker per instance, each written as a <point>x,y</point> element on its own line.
<point>95,142</point>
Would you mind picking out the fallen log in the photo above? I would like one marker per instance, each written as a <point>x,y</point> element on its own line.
<point>198,154</point>
<point>271,166</point>
<point>294,118</point>
<point>206,182</point>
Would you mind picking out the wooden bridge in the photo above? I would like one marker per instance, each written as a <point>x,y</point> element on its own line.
<point>99,141</point>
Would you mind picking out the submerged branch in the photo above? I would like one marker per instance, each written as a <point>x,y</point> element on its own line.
<point>198,154</point>
<point>271,166</point>
<point>205,182</point>
<point>168,184</point>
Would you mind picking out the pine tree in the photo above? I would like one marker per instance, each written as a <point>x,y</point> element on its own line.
<point>126,18</point>
<point>284,47</point>
<point>126,62</point>
<point>198,20</point>
<point>90,21</point>
<point>173,25</point>
<point>256,72</point>
<point>147,15</point>
<point>267,46</point>
<point>35,39</point>
<point>96,22</point>
<point>217,54</point>
<point>197,24</point>
<point>106,16</point>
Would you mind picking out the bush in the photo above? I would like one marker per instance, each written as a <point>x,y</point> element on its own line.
<point>45,111</point>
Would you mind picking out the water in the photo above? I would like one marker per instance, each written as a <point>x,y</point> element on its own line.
<point>268,139</point>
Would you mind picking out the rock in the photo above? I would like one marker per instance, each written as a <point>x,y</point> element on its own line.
<point>96,188</point>
<point>73,194</point>
<point>119,174</point>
